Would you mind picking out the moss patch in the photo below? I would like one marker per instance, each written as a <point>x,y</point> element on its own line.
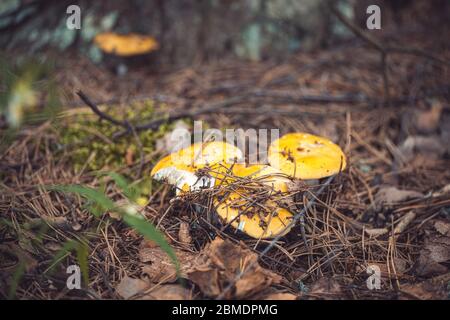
<point>88,140</point>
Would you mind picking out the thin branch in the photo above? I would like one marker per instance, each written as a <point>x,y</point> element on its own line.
<point>100,113</point>
<point>285,97</point>
<point>250,97</point>
<point>381,47</point>
<point>384,50</point>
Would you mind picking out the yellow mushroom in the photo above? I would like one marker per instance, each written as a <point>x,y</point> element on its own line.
<point>257,218</point>
<point>125,45</point>
<point>263,173</point>
<point>183,168</point>
<point>306,156</point>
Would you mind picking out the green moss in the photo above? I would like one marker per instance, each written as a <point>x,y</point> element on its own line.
<point>88,140</point>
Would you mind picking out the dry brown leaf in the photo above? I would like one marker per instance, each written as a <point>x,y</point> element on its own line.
<point>168,292</point>
<point>400,265</point>
<point>432,146</point>
<point>247,285</point>
<point>442,227</point>
<point>389,195</point>
<point>280,296</point>
<point>13,250</point>
<point>432,289</point>
<point>219,264</point>
<point>158,266</point>
<point>207,280</point>
<point>428,121</point>
<point>326,288</point>
<point>435,251</point>
<point>129,287</point>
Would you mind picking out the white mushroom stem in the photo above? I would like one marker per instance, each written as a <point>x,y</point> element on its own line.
<point>180,178</point>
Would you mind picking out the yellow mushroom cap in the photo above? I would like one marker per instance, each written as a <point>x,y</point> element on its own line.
<point>263,173</point>
<point>258,220</point>
<point>306,156</point>
<point>125,45</point>
<point>181,168</point>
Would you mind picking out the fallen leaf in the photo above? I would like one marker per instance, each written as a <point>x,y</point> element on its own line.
<point>432,146</point>
<point>129,287</point>
<point>168,292</point>
<point>389,195</point>
<point>325,288</point>
<point>442,227</point>
<point>400,265</point>
<point>207,280</point>
<point>10,250</point>
<point>219,264</point>
<point>432,289</point>
<point>417,291</point>
<point>428,121</point>
<point>435,251</point>
<point>247,285</point>
<point>158,266</point>
<point>280,296</point>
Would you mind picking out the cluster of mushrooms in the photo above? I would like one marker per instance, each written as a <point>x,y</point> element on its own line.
<point>294,156</point>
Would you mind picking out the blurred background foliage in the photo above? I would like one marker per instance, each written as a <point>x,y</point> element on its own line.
<point>190,31</point>
<point>28,94</point>
<point>187,30</point>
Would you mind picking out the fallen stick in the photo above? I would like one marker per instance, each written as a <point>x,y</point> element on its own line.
<point>399,228</point>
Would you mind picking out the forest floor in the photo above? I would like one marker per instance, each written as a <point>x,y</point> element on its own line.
<point>388,211</point>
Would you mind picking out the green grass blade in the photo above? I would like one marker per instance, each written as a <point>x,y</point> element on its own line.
<point>82,258</point>
<point>67,248</point>
<point>129,191</point>
<point>89,193</point>
<point>18,274</point>
<point>149,231</point>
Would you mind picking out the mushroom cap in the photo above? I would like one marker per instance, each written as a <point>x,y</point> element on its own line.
<point>258,220</point>
<point>181,168</point>
<point>263,173</point>
<point>306,156</point>
<point>125,45</point>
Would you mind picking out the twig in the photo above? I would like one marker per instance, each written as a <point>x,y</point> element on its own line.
<point>285,97</point>
<point>154,124</point>
<point>387,49</point>
<point>214,107</point>
<point>122,123</point>
<point>101,114</point>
